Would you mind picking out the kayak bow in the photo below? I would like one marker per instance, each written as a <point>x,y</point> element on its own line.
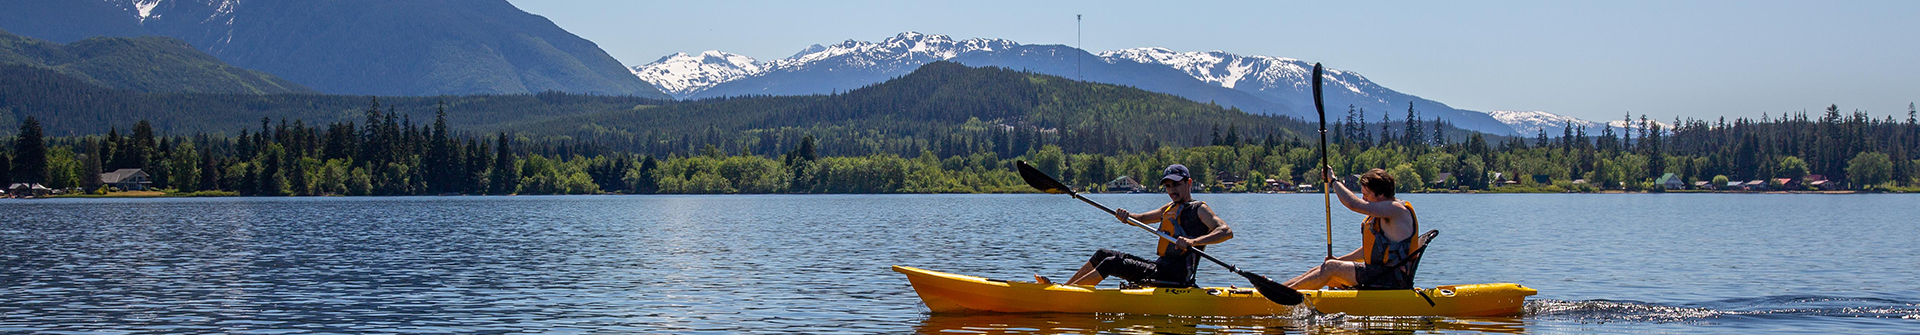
<point>953,293</point>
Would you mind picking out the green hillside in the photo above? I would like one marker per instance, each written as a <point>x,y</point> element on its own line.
<point>141,64</point>
<point>71,106</point>
<point>944,107</point>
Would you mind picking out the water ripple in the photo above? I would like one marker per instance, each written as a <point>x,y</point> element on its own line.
<point>819,264</point>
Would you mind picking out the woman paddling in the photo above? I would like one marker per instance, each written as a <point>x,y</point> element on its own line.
<point>1387,238</point>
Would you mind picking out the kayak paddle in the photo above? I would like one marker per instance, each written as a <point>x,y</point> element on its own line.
<point>1274,291</point>
<point>1326,187</point>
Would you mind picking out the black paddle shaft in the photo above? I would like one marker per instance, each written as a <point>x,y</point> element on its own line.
<point>1320,105</point>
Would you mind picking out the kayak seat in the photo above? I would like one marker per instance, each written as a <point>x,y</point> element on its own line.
<point>1412,262</point>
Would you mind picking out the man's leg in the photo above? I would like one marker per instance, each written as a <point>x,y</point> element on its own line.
<point>1086,276</point>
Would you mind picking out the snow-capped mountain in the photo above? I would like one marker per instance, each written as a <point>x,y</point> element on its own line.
<point>1288,81</point>
<point>683,75</point>
<point>1257,84</point>
<point>687,76</point>
<point>1532,122</point>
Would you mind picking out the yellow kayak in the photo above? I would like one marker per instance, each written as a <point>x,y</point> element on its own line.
<point>953,293</point>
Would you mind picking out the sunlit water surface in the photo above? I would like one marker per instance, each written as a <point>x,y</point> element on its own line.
<point>819,264</point>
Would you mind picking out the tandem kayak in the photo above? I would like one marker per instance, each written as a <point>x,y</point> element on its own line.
<point>953,293</point>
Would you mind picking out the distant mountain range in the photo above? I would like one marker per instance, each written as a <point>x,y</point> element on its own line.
<point>150,64</point>
<point>375,47</point>
<point>1530,123</point>
<point>1256,84</point>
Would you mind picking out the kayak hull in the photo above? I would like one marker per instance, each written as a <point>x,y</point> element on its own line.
<point>953,293</point>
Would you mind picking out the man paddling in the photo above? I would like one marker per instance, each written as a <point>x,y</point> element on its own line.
<point>1387,238</point>
<point>1191,223</point>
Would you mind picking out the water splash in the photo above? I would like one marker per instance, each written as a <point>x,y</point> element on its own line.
<point>1794,306</point>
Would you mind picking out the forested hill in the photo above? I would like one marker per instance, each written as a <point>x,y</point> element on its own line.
<point>141,64</point>
<point>943,107</point>
<point>69,106</point>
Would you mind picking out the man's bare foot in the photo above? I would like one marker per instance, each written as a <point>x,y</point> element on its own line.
<point>1042,280</point>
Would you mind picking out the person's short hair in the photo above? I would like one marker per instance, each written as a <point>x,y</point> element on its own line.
<point>1379,181</point>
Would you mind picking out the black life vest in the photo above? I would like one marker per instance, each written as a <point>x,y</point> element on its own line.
<point>1387,265</point>
<point>1176,267</point>
<point>1181,220</point>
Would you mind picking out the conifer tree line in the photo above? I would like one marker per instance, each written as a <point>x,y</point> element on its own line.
<point>387,153</point>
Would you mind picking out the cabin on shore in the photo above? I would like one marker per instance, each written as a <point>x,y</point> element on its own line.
<point>1276,185</point>
<point>1755,185</point>
<point>1125,184</point>
<point>1670,181</point>
<point>25,190</point>
<point>1816,182</point>
<point>127,179</point>
<point>1787,184</point>
<point>1442,180</point>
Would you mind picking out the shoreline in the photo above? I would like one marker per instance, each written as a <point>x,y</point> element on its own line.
<point>129,195</point>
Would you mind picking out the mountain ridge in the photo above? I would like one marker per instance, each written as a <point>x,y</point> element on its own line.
<point>1266,85</point>
<point>418,48</point>
<point>150,64</point>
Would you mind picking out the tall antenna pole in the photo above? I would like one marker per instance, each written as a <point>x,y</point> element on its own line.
<point>1077,45</point>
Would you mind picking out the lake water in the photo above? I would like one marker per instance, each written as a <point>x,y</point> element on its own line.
<point>819,264</point>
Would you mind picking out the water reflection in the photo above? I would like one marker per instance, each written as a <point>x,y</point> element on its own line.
<point>1053,323</point>
<point>818,264</point>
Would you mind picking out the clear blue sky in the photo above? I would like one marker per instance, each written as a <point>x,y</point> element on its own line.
<point>1596,60</point>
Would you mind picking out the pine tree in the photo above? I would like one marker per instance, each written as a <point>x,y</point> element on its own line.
<point>1216,136</point>
<point>1656,160</point>
<point>1413,137</point>
<point>1233,135</point>
<point>1365,135</point>
<point>1566,137</point>
<point>440,170</point>
<point>30,154</point>
<point>141,151</point>
<point>1626,133</point>
<point>506,173</point>
<point>90,167</point>
<point>1386,133</point>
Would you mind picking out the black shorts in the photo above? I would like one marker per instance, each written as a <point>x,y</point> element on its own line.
<point>1380,277</point>
<point>1140,270</point>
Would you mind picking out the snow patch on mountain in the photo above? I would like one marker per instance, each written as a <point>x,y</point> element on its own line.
<point>145,7</point>
<point>1235,71</point>
<point>1532,122</point>
<point>681,74</point>
<point>1286,82</point>
<point>1528,123</point>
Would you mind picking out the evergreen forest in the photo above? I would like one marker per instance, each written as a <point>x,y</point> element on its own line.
<point>945,128</point>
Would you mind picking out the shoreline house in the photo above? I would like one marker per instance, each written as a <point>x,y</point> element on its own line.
<point>1276,185</point>
<point>127,179</point>
<point>1670,181</point>
<point>1816,182</point>
<point>1786,184</point>
<point>1125,184</point>
<point>1443,180</point>
<point>24,190</point>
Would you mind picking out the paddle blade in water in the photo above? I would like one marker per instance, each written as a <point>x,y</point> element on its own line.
<point>1274,291</point>
<point>1039,180</point>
